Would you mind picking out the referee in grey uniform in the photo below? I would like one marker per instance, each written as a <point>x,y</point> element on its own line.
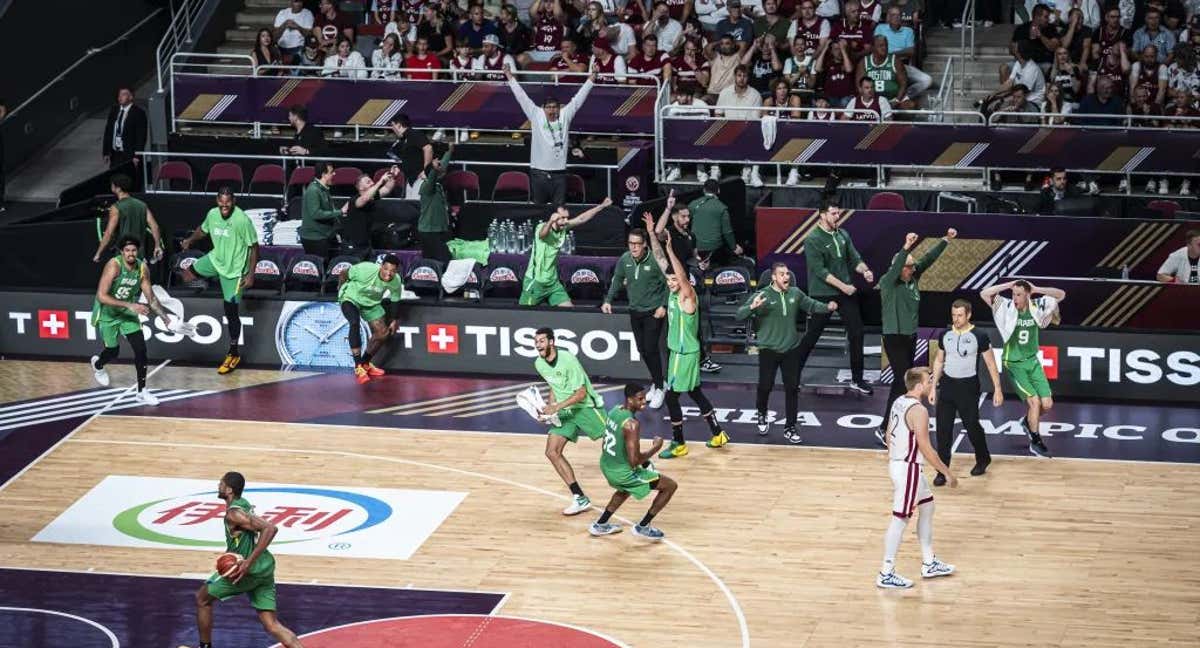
<point>957,393</point>
<point>550,126</point>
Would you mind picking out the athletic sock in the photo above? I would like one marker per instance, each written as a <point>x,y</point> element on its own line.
<point>677,432</point>
<point>646,520</point>
<point>575,489</point>
<point>646,464</point>
<point>358,359</point>
<point>925,531</point>
<point>891,543</point>
<point>366,358</point>
<point>233,350</point>
<point>604,517</point>
<point>711,419</point>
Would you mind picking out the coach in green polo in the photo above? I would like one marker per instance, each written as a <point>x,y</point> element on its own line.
<point>646,287</point>
<point>318,213</point>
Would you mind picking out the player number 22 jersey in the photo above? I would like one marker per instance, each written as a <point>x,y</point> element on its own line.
<point>902,440</point>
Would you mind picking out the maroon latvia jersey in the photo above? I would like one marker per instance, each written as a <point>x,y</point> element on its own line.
<point>653,66</point>
<point>811,33</point>
<point>858,104</point>
<point>685,73</point>
<point>838,82</point>
<point>496,64</point>
<point>676,7</point>
<point>1120,79</point>
<point>1148,76</point>
<point>858,38</point>
<point>1107,40</point>
<point>606,72</point>
<point>548,33</point>
<point>413,9</point>
<point>866,10</point>
<point>824,115</point>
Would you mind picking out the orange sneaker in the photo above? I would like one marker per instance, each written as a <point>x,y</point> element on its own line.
<point>360,374</point>
<point>374,371</point>
<point>230,363</point>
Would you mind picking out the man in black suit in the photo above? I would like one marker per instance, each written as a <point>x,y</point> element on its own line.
<point>125,133</point>
<point>1057,190</point>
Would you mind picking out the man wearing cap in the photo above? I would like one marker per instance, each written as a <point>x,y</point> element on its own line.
<point>493,59</point>
<point>550,129</point>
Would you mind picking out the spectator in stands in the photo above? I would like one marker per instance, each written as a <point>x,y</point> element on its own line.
<point>710,12</point>
<point>812,28</point>
<point>307,140</point>
<point>1103,102</point>
<point>493,60</point>
<point>312,56</point>
<point>1053,107</point>
<point>870,11</point>
<point>715,244</point>
<point>454,12</point>
<point>354,230</point>
<point>125,133</point>
<point>668,30</point>
<point>781,97</point>
<point>1147,72</point>
<point>383,11</point>
<point>764,63</point>
<point>597,24</point>
<point>770,22</point>
<point>1069,77</point>
<point>1191,35</point>
<point>854,32</point>
<point>568,60</point>
<point>387,59</point>
<point>824,110</point>
<point>412,150</point>
<point>651,61</point>
<point>1110,35</point>
<point>829,9</point>
<point>346,63</point>
<point>515,37</point>
<point>1114,67</point>
<point>129,217</point>
<point>633,14</point>
<point>549,29</point>
<point>319,217</point>
<point>687,104</point>
<point>433,226</point>
<point>1154,33</point>
<point>330,25</point>
<point>462,61</point>
<point>736,25</point>
<point>837,75</point>
<point>723,59</point>
<point>911,11</point>
<point>1018,101</point>
<point>1055,191</point>
<point>887,75</point>
<point>265,53</point>
<point>691,69</point>
<point>1024,72</point>
<point>1076,39</point>
<point>798,70</point>
<point>868,101</point>
<point>733,103</point>
<point>473,31</point>
<point>437,30</point>
<point>902,44</point>
<point>1089,11</point>
<point>550,132</point>
<point>1183,265</point>
<point>1040,36</point>
<point>292,24</point>
<point>1182,73</point>
<point>404,30</point>
<point>1142,104</point>
<point>609,67</point>
<point>423,59</point>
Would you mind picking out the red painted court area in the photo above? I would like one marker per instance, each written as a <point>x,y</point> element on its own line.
<point>457,631</point>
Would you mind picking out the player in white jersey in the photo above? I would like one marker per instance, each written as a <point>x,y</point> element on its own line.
<point>909,448</point>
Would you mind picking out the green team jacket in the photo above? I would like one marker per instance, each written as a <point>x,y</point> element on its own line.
<point>902,301</point>
<point>643,280</point>
<point>318,214</point>
<point>777,316</point>
<point>710,223</point>
<point>829,253</point>
<point>435,213</point>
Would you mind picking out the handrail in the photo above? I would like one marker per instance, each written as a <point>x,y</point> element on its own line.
<point>968,25</point>
<point>325,158</point>
<point>945,86</point>
<point>182,21</point>
<point>89,54</point>
<point>974,115</point>
<point>663,112</point>
<point>1101,121</point>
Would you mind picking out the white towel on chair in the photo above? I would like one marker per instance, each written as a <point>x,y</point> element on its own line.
<point>770,127</point>
<point>456,274</point>
<point>532,402</point>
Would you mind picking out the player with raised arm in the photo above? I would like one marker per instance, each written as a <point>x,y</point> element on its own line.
<point>625,467</point>
<point>541,282</point>
<point>908,448</point>
<point>248,536</point>
<point>683,342</point>
<point>1019,321</point>
<point>360,292</point>
<point>116,310</point>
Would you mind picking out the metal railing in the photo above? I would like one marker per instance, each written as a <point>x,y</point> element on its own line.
<point>1080,121</point>
<point>966,43</point>
<point>946,85</point>
<point>179,32</point>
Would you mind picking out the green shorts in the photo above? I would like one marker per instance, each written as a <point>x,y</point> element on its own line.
<point>1029,378</point>
<point>534,293</point>
<point>260,588</point>
<point>589,419</point>
<point>111,330</point>
<point>637,482</point>
<point>231,289</point>
<point>370,313</point>
<point>683,371</point>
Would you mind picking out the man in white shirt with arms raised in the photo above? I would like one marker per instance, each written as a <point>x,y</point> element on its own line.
<point>550,127</point>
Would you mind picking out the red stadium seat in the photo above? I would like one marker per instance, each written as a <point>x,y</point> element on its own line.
<point>399,179</point>
<point>512,181</point>
<point>225,173</point>
<point>346,176</point>
<point>169,171</point>
<point>887,200</point>
<point>464,181</point>
<point>1166,207</point>
<point>267,174</point>
<point>301,176</point>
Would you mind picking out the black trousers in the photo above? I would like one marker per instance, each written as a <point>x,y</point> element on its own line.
<point>548,187</point>
<point>433,245</point>
<point>900,350</point>
<point>959,396</point>
<point>319,247</point>
<point>770,362</point>
<point>647,335</point>
<point>852,317</point>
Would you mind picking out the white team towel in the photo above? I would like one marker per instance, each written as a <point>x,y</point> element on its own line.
<point>532,402</point>
<point>175,308</point>
<point>456,274</point>
<point>770,127</point>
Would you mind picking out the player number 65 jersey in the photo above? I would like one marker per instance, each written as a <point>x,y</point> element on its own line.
<point>902,441</point>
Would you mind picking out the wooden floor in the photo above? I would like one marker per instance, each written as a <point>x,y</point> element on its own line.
<point>1049,553</point>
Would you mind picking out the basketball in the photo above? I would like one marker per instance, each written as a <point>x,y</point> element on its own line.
<point>226,563</point>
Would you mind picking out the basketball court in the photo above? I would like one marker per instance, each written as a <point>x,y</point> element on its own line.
<point>420,510</point>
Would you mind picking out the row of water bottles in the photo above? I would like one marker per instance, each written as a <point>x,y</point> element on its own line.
<point>507,237</point>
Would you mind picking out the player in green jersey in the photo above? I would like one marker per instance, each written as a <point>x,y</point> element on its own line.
<point>577,405</point>
<point>246,535</point>
<point>360,292</point>
<point>232,261</point>
<point>624,466</point>
<point>116,312</point>
<point>1019,321</point>
<point>683,342</point>
<point>541,282</point>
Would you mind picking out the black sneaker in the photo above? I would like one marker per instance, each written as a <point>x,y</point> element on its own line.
<point>763,425</point>
<point>980,467</point>
<point>708,366</point>
<point>861,387</point>
<point>791,435</point>
<point>1038,448</point>
<point>940,480</point>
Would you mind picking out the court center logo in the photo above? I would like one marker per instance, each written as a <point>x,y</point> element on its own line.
<point>170,513</point>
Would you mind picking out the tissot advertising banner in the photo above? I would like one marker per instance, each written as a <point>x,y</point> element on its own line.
<point>1078,363</point>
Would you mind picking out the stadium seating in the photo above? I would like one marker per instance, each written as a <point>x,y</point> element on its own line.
<point>172,173</point>
<point>512,183</point>
<point>224,174</point>
<point>267,178</point>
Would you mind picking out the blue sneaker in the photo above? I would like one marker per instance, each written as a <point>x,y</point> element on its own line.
<point>648,532</point>
<point>892,581</point>
<point>608,528</point>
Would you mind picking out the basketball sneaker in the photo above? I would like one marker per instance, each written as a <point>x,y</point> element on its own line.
<point>676,449</point>
<point>373,371</point>
<point>361,375</point>
<point>791,435</point>
<point>892,581</point>
<point>719,439</point>
<point>935,569</point>
<point>708,366</point>
<point>1037,447</point>
<point>656,397</point>
<point>861,387</point>
<point>763,425</point>
<point>578,505</point>
<point>608,528</point>
<point>99,373</point>
<point>230,363</point>
<point>940,480</point>
<point>648,532</point>
<point>144,397</point>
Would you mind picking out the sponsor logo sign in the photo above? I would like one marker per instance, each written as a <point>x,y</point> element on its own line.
<point>502,273</point>
<point>441,338</point>
<point>306,268</point>
<point>584,276</point>
<point>339,268</point>
<point>266,267</point>
<point>170,513</point>
<point>53,324</point>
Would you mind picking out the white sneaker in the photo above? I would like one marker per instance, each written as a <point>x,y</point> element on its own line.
<point>146,398</point>
<point>936,568</point>
<point>755,178</point>
<point>1151,187</point>
<point>578,505</point>
<point>1164,187</point>
<point>439,135</point>
<point>672,174</point>
<point>714,172</point>
<point>892,581</point>
<point>1123,185</point>
<point>101,375</point>
<point>1093,188</point>
<point>337,134</point>
<point>745,175</point>
<point>608,528</point>
<point>987,23</point>
<point>463,136</point>
<point>656,397</point>
<point>793,178</point>
<point>701,176</point>
<point>1185,189</point>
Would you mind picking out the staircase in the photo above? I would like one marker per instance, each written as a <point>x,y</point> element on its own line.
<point>255,15</point>
<point>977,76</point>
